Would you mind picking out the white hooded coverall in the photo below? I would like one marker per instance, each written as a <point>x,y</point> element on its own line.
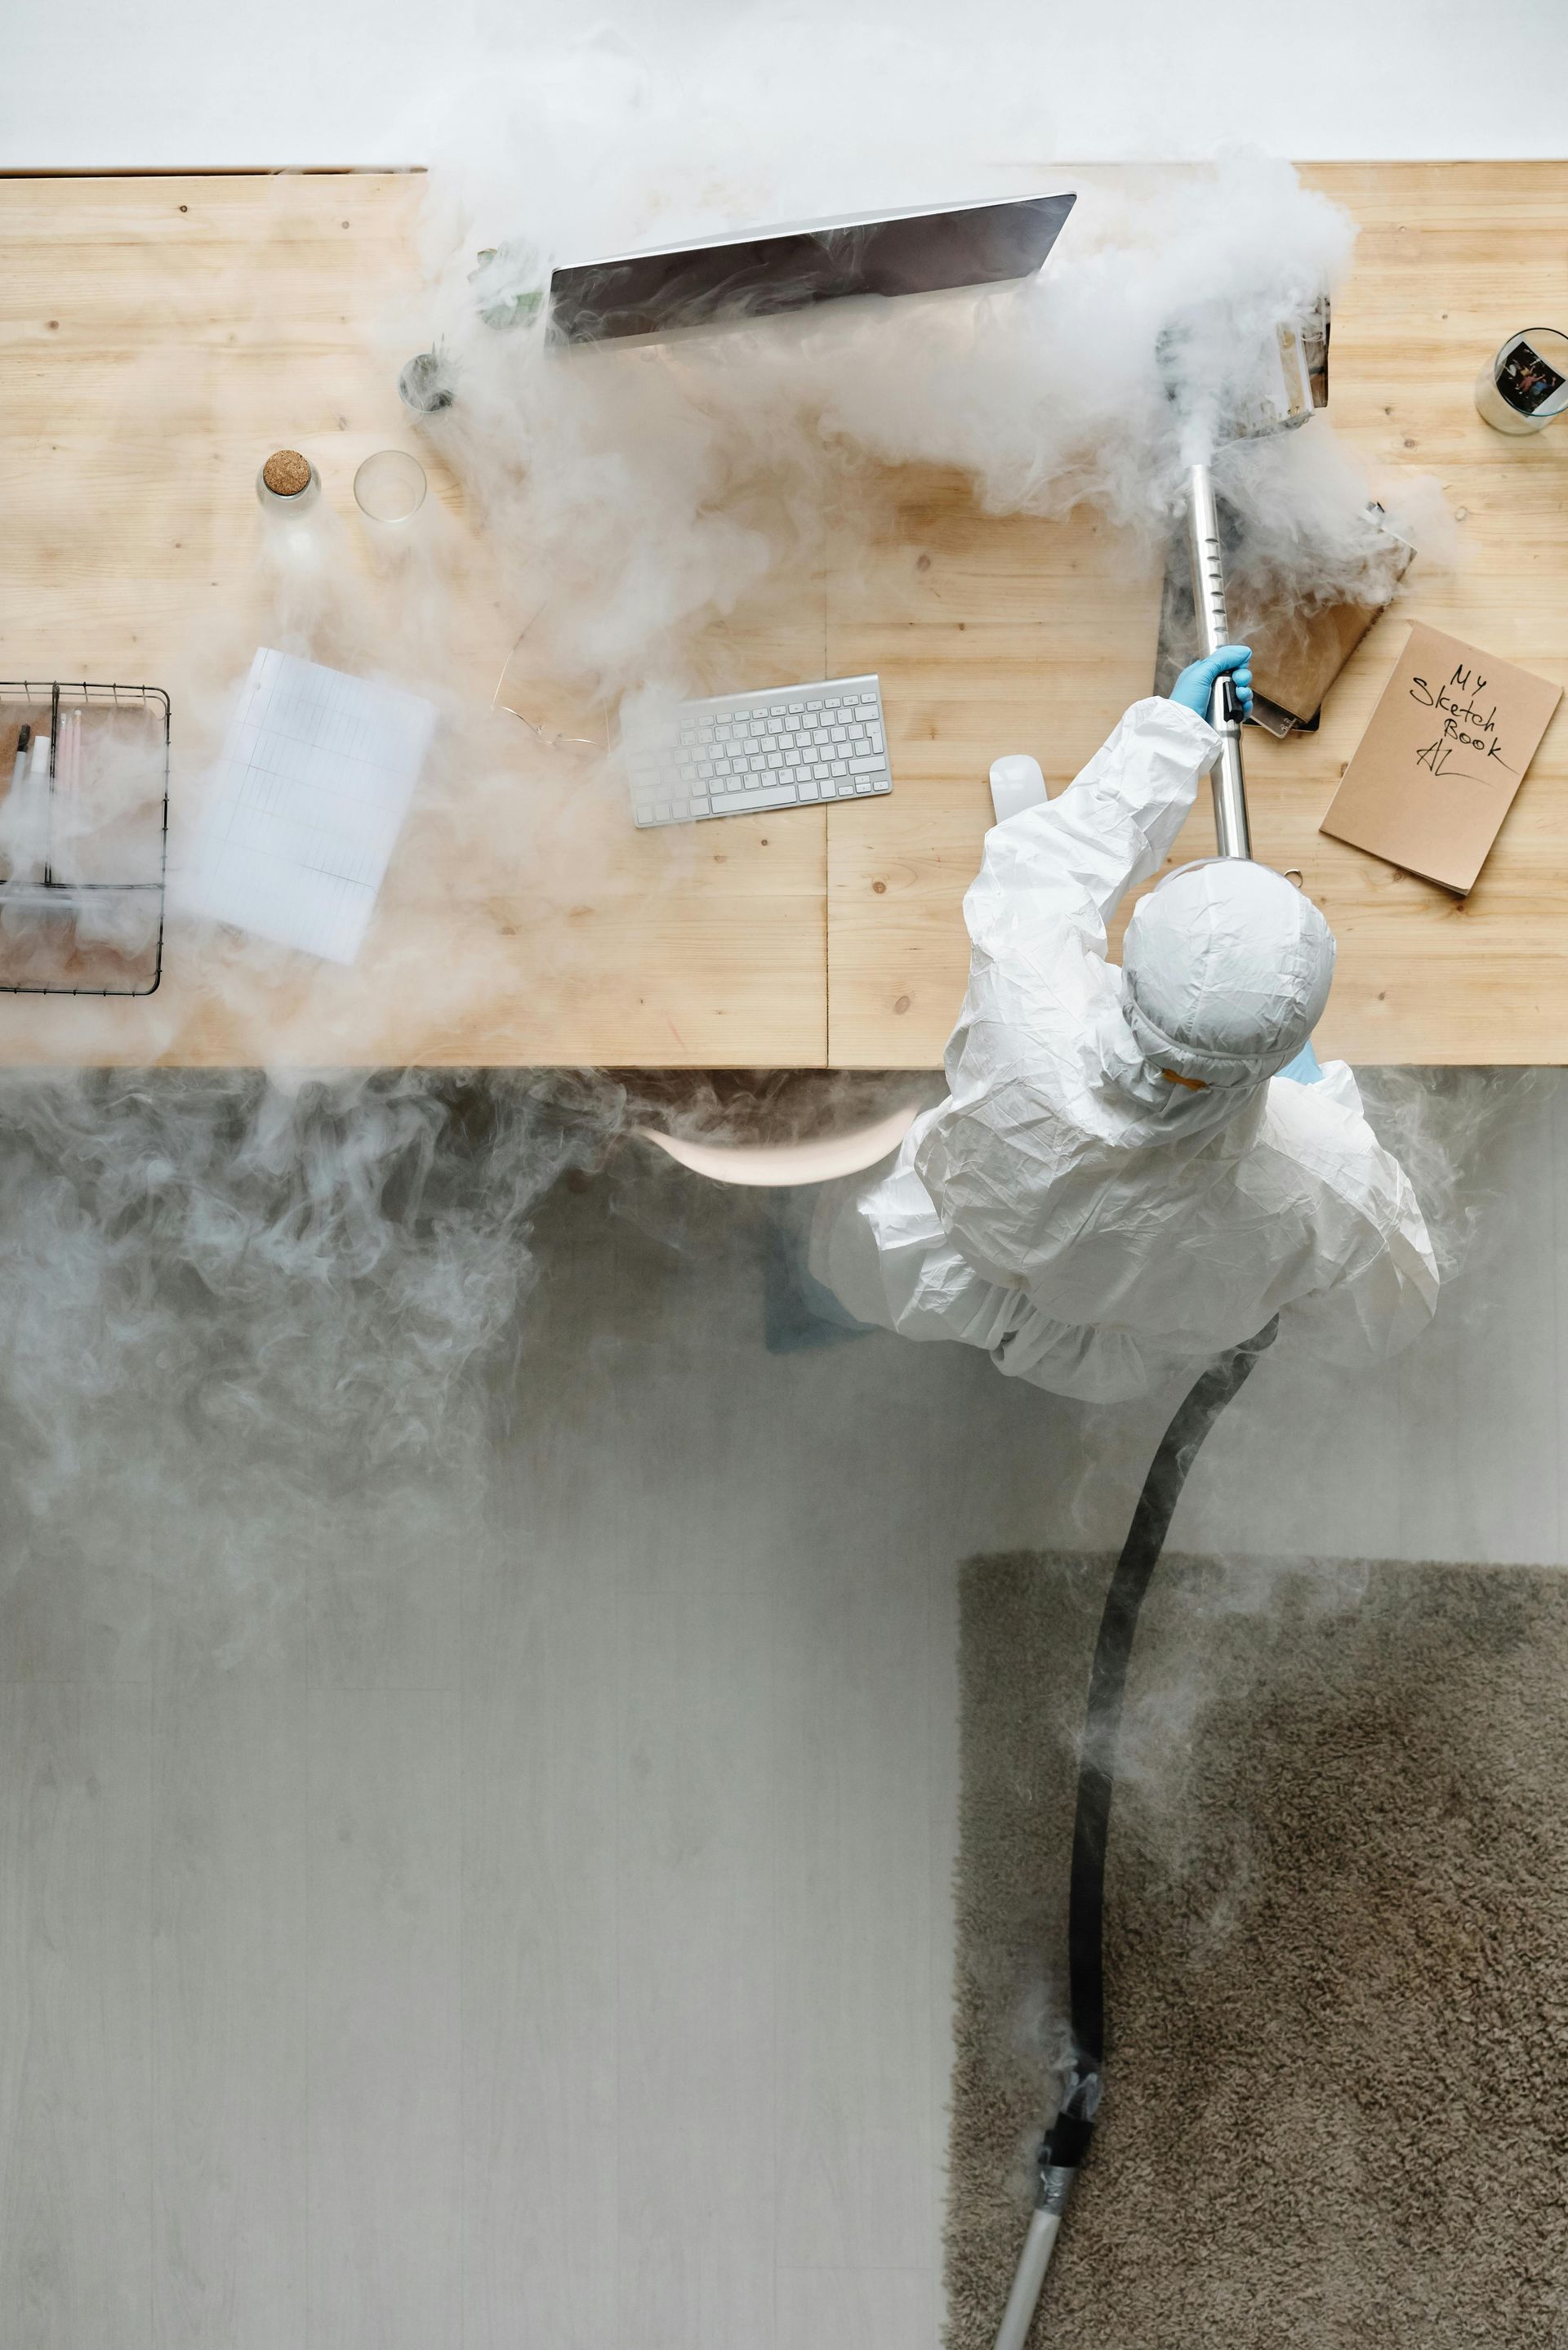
<point>1097,1229</point>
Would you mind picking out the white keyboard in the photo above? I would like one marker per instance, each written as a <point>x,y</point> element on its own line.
<point>742,753</point>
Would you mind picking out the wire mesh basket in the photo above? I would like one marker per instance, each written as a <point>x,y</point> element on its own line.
<point>84,836</point>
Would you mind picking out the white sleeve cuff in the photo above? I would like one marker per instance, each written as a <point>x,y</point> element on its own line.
<point>1204,738</point>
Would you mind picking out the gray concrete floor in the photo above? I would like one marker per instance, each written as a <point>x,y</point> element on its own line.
<point>514,1910</point>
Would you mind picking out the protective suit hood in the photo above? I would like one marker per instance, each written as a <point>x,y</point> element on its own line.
<point>1226,968</point>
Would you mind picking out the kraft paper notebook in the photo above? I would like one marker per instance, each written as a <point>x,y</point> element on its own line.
<point>1438,767</point>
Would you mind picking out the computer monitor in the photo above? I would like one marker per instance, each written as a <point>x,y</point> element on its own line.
<point>753,276</point>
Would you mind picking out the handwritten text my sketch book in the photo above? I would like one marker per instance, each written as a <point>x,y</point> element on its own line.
<point>1438,767</point>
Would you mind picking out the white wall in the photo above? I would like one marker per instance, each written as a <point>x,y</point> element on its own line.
<point>97,83</point>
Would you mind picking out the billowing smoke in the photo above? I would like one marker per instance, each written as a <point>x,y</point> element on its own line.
<point>645,491</point>
<point>290,1268</point>
<point>227,1284</point>
<point>314,1266</point>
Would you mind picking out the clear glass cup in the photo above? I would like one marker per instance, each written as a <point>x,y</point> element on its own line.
<point>538,684</point>
<point>389,487</point>
<point>1526,384</point>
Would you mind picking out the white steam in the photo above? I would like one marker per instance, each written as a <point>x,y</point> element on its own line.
<point>648,489</point>
<point>251,1278</point>
<point>314,1267</point>
<point>232,1275</point>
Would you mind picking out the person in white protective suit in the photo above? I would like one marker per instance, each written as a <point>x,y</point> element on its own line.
<point>1122,1182</point>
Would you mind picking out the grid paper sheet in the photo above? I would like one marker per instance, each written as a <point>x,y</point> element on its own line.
<point>318,771</point>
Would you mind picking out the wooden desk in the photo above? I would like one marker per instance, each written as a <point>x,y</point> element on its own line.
<point>163,334</point>
<point>1018,635</point>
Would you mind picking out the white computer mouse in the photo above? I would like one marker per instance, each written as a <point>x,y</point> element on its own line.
<point>1016,784</point>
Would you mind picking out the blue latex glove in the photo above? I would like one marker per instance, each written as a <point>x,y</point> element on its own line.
<point>1194,688</point>
<point>1304,1068</point>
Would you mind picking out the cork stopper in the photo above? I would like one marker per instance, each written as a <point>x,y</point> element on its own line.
<point>285,473</point>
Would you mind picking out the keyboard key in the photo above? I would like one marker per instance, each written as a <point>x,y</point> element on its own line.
<point>867,766</point>
<point>753,803</point>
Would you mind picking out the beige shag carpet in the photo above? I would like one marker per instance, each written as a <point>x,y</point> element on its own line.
<point>1336,2109</point>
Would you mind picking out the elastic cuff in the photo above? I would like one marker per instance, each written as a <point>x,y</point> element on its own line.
<point>1211,734</point>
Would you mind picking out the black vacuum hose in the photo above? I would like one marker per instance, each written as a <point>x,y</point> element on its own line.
<point>1073,2127</point>
<point>1066,2141</point>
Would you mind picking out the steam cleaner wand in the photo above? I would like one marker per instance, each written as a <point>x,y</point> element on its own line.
<point>1066,2142</point>
<point>1274,391</point>
<point>1226,781</point>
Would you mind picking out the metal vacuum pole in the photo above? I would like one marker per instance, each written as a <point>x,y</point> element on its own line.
<point>1034,2260</point>
<point>1225,710</point>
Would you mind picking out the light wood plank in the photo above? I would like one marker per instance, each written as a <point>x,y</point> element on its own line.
<point>1478,1407</point>
<point>384,2000</point>
<point>1044,648</point>
<point>75,2021</point>
<point>163,335</point>
<point>231,1927</point>
<point>695,1999</point>
<point>695,1824</point>
<point>543,2151</point>
<point>857,2309</point>
<point>853,2095</point>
